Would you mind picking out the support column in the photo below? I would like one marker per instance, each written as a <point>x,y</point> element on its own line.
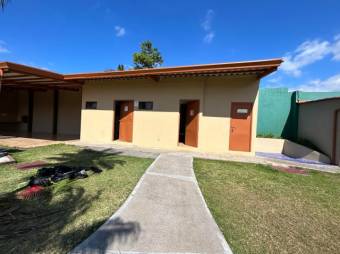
<point>30,111</point>
<point>55,111</point>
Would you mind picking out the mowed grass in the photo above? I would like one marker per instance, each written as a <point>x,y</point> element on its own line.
<point>261,210</point>
<point>68,211</point>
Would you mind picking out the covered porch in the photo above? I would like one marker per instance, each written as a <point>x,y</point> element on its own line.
<point>37,104</point>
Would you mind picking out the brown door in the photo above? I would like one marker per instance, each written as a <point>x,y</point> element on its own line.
<point>191,129</point>
<point>126,121</point>
<point>240,126</point>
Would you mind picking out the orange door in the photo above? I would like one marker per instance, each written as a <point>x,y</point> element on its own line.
<point>126,121</point>
<point>191,129</point>
<point>240,126</point>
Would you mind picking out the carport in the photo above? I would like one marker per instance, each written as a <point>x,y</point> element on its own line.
<point>38,103</point>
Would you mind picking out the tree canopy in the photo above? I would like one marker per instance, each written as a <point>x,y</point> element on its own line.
<point>148,57</point>
<point>3,3</point>
<point>120,67</point>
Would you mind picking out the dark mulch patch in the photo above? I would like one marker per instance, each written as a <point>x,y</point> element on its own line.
<point>291,170</point>
<point>30,165</point>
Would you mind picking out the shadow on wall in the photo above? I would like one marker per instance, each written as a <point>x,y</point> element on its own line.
<point>290,128</point>
<point>295,150</point>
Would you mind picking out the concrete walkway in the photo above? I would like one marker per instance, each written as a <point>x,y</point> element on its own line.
<point>166,213</point>
<point>153,153</point>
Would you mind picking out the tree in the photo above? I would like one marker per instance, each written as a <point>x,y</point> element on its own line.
<point>3,3</point>
<point>148,57</point>
<point>120,67</point>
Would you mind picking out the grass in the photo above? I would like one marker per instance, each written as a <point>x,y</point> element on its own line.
<point>68,211</point>
<point>261,210</point>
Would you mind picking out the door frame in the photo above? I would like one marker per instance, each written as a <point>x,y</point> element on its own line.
<point>198,120</point>
<point>114,119</point>
<point>251,123</point>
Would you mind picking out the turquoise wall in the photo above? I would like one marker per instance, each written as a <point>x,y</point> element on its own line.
<point>278,111</point>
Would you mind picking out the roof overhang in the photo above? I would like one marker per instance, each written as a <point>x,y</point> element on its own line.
<point>258,68</point>
<point>14,75</point>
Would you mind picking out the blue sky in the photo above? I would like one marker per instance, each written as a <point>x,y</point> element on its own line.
<point>82,35</point>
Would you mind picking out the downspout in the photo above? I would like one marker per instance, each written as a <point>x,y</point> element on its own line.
<point>335,128</point>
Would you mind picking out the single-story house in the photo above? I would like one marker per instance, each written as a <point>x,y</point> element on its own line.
<point>210,108</point>
<point>319,124</point>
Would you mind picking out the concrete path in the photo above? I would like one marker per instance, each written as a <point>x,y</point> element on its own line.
<point>165,213</point>
<point>153,153</point>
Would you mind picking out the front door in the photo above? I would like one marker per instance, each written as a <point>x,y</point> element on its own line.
<point>191,129</point>
<point>126,121</point>
<point>240,126</point>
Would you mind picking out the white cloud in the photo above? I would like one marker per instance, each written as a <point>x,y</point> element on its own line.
<point>3,48</point>
<point>310,52</point>
<point>209,37</point>
<point>120,31</point>
<point>327,85</point>
<point>307,53</point>
<point>336,48</point>
<point>207,26</point>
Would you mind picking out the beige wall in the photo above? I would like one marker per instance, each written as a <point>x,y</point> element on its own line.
<point>337,156</point>
<point>316,121</point>
<point>43,112</point>
<point>69,112</point>
<point>269,145</point>
<point>159,128</point>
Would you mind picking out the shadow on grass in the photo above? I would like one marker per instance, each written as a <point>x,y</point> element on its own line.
<point>28,226</point>
<point>42,224</point>
<point>87,158</point>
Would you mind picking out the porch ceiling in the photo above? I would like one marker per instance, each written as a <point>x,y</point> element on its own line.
<point>14,75</point>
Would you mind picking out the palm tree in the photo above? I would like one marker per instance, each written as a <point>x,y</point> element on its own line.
<point>3,3</point>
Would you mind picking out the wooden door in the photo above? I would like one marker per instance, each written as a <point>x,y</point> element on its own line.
<point>240,126</point>
<point>126,121</point>
<point>191,129</point>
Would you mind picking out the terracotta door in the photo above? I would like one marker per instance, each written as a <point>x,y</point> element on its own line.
<point>240,126</point>
<point>191,129</point>
<point>126,121</point>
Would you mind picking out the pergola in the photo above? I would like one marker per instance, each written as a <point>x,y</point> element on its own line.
<point>16,76</point>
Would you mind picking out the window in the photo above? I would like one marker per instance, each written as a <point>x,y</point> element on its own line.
<point>91,105</point>
<point>145,105</point>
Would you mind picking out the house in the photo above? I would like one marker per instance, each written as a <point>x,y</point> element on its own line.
<point>210,108</point>
<point>319,124</point>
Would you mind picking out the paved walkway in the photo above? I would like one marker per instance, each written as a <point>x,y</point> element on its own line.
<point>153,153</point>
<point>165,213</point>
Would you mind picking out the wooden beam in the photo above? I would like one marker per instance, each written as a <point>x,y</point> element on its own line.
<point>22,78</point>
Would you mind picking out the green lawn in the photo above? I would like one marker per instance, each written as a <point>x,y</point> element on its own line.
<point>68,211</point>
<point>261,210</point>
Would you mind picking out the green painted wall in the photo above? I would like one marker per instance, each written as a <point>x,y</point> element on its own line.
<point>278,111</point>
